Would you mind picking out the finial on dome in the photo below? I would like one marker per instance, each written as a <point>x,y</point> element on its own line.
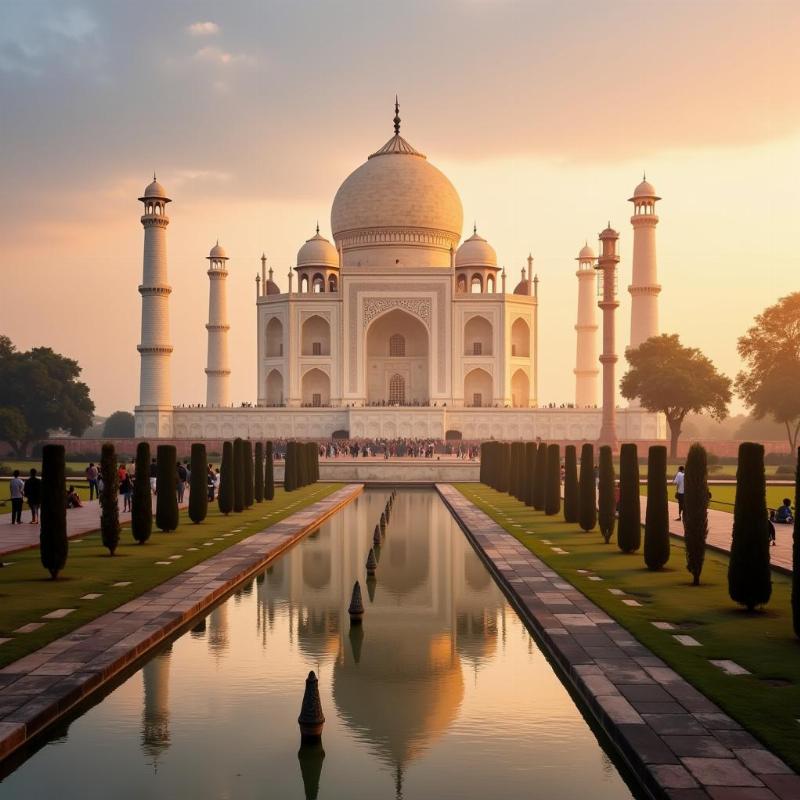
<point>317,227</point>
<point>263,258</point>
<point>270,273</point>
<point>644,175</point>
<point>396,116</point>
<point>474,228</point>
<point>154,175</point>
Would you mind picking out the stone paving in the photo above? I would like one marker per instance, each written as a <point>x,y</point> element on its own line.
<point>42,686</point>
<point>679,743</point>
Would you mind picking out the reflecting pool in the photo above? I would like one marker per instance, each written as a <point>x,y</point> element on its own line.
<point>442,693</point>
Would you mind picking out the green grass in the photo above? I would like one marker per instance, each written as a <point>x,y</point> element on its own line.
<point>27,593</point>
<point>762,642</point>
<point>5,502</point>
<point>722,497</point>
<point>74,469</point>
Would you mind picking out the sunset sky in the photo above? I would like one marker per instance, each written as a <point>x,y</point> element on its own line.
<point>542,113</point>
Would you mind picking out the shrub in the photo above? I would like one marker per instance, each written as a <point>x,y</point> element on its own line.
<point>629,530</point>
<point>142,500</point>
<point>552,500</point>
<point>606,512</point>
<point>540,477</point>
<point>238,475</point>
<point>258,488</point>
<point>269,475</point>
<point>796,553</point>
<point>749,579</point>
<point>248,473</point>
<point>53,543</point>
<point>167,488</point>
<point>587,494</point>
<point>198,484</point>
<point>656,519</point>
<point>109,498</point>
<point>695,510</point>
<point>570,484</point>
<point>227,480</point>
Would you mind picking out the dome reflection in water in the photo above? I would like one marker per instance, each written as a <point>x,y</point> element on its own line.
<point>441,693</point>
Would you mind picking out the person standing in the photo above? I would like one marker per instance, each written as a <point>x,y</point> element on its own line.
<point>92,474</point>
<point>181,484</point>
<point>33,491</point>
<point>678,480</point>
<point>126,490</point>
<point>153,475</point>
<point>17,493</point>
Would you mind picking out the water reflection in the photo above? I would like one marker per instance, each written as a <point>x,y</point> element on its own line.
<point>155,717</point>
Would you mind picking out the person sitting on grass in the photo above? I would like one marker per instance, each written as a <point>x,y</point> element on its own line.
<point>73,500</point>
<point>784,513</point>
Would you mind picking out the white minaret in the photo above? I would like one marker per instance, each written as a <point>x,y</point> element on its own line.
<point>218,371</point>
<point>644,286</point>
<point>586,370</point>
<point>607,266</point>
<point>155,390</point>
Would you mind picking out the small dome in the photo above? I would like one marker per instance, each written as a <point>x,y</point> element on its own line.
<point>586,252</point>
<point>317,252</point>
<point>272,287</point>
<point>154,190</point>
<point>476,252</point>
<point>645,190</point>
<point>609,233</point>
<point>522,287</point>
<point>217,251</point>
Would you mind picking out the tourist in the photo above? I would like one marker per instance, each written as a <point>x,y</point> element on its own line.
<point>126,490</point>
<point>17,493</point>
<point>210,483</point>
<point>92,474</point>
<point>783,514</point>
<point>73,500</point>
<point>678,480</point>
<point>181,483</point>
<point>33,491</point>
<point>153,475</point>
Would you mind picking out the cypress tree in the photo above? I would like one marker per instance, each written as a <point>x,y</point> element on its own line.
<point>289,469</point>
<point>629,531</point>
<point>656,519</point>
<point>198,484</point>
<point>503,465</point>
<point>606,512</point>
<point>302,465</point>
<point>489,463</point>
<point>248,473</point>
<point>570,483</point>
<point>749,579</point>
<point>530,469</point>
<point>540,479</point>
<point>227,480</point>
<point>109,498</point>
<point>482,473</point>
<point>796,552</point>
<point>587,494</point>
<point>142,500</point>
<point>521,472</point>
<point>167,488</point>
<point>552,499</point>
<point>238,475</point>
<point>269,475</point>
<point>258,488</point>
<point>53,543</point>
<point>513,468</point>
<point>695,510</point>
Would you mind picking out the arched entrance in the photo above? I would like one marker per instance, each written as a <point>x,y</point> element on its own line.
<point>274,388</point>
<point>397,360</point>
<point>478,388</point>
<point>520,389</point>
<point>316,388</point>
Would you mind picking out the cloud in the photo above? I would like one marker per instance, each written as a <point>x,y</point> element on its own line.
<point>203,29</point>
<point>216,55</point>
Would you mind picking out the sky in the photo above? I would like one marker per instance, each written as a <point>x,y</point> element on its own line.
<point>543,114</point>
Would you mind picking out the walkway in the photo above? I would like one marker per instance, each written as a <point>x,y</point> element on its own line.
<point>675,739</point>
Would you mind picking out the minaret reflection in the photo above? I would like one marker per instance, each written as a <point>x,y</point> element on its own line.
<point>155,717</point>
<point>311,757</point>
<point>218,641</point>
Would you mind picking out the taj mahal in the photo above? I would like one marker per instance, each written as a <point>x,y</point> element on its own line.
<point>397,327</point>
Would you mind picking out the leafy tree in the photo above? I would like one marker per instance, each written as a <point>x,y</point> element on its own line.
<point>198,484</point>
<point>227,480</point>
<point>770,381</point>
<point>238,472</point>
<point>43,387</point>
<point>570,483</point>
<point>656,519</point>
<point>606,513</point>
<point>695,510</point>
<point>53,543</point>
<point>248,473</point>
<point>796,553</point>
<point>142,500</point>
<point>269,475</point>
<point>540,478</point>
<point>587,507</point>
<point>13,427</point>
<point>629,530</point>
<point>167,488</point>
<point>258,487</point>
<point>552,498</point>
<point>665,376</point>
<point>120,425</point>
<point>109,498</point>
<point>749,578</point>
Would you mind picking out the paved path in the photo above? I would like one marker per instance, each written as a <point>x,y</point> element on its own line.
<point>679,743</point>
<point>43,686</point>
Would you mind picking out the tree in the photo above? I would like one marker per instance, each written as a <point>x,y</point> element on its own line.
<point>53,543</point>
<point>530,469</point>
<point>749,578</point>
<point>198,484</point>
<point>120,425</point>
<point>552,497</point>
<point>587,507</point>
<point>695,510</point>
<point>629,530</point>
<point>167,488</point>
<point>43,387</point>
<point>269,476</point>
<point>796,553</point>
<point>540,477</point>
<point>13,427</point>
<point>570,484</point>
<point>656,519</point>
<point>770,381</point>
<point>504,468</point>
<point>665,376</point>
<point>227,480</point>
<point>289,468</point>
<point>142,500</point>
<point>301,460</point>
<point>248,473</point>
<point>606,512</point>
<point>109,498</point>
<point>258,488</point>
<point>238,475</point>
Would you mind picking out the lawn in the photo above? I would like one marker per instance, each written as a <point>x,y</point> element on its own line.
<point>723,495</point>
<point>74,469</point>
<point>767,702</point>
<point>27,593</point>
<point>5,501</point>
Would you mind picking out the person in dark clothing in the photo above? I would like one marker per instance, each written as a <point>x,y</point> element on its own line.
<point>153,475</point>
<point>33,492</point>
<point>17,488</point>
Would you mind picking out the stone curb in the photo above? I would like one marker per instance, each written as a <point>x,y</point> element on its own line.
<point>677,743</point>
<point>41,687</point>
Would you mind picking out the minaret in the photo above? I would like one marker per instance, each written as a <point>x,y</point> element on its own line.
<point>586,370</point>
<point>218,371</point>
<point>644,286</point>
<point>155,391</point>
<point>607,264</point>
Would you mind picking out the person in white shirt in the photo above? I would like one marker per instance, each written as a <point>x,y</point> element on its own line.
<point>678,481</point>
<point>17,493</point>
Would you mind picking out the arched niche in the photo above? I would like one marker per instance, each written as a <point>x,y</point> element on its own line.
<point>274,393</point>
<point>520,389</point>
<point>316,389</point>
<point>316,337</point>
<point>520,339</point>
<point>478,337</point>
<point>478,388</point>
<point>274,338</point>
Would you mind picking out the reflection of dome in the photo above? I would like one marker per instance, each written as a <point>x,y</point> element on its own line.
<point>316,568</point>
<point>476,252</point>
<point>476,635</point>
<point>317,252</point>
<point>318,632</point>
<point>404,562</point>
